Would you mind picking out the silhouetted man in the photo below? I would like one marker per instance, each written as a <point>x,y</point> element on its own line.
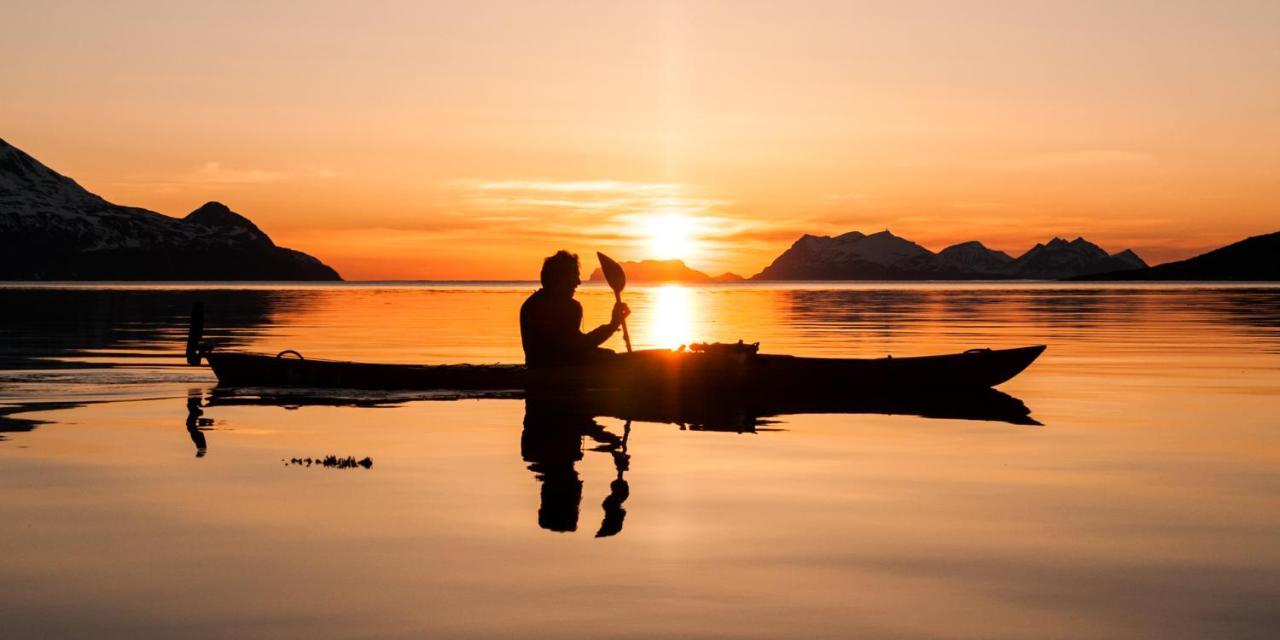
<point>551,320</point>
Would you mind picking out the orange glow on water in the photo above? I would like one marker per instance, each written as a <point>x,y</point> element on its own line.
<point>671,319</point>
<point>1137,381</point>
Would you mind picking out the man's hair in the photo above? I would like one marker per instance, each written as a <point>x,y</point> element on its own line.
<point>558,268</point>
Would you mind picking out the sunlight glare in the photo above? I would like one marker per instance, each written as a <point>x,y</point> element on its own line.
<point>670,236</point>
<point>671,320</point>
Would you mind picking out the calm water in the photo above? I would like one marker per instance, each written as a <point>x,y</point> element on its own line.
<point>137,503</point>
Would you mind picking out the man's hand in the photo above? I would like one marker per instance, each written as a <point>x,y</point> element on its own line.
<point>620,313</point>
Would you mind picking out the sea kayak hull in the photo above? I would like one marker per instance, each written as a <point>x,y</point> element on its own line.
<point>654,371</point>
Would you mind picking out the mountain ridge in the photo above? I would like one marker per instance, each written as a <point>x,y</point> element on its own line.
<point>1256,258</point>
<point>665,271</point>
<point>885,256</point>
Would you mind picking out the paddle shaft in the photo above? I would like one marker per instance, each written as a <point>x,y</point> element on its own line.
<point>626,336</point>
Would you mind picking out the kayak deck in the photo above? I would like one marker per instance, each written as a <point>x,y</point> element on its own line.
<point>651,370</point>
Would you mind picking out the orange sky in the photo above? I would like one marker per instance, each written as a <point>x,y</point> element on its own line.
<point>468,140</point>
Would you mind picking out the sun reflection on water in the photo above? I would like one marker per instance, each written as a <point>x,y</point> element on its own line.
<point>670,320</point>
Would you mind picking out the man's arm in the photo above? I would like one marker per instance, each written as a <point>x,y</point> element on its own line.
<point>598,335</point>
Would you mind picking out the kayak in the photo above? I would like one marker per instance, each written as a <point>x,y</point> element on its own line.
<point>714,368</point>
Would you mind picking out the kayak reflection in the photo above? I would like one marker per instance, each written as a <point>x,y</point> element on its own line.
<point>694,411</point>
<point>559,428</point>
<point>556,426</point>
<point>748,413</point>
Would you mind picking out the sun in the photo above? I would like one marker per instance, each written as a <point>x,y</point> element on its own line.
<point>670,236</point>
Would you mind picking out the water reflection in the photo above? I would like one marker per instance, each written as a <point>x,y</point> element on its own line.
<point>1149,502</point>
<point>48,328</point>
<point>670,318</point>
<point>558,430</point>
<point>920,321</point>
<point>10,424</point>
<point>551,443</point>
<point>196,424</point>
<point>695,412</point>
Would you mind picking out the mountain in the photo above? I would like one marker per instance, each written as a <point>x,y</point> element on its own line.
<point>1256,258</point>
<point>665,271</point>
<point>51,228</point>
<point>884,256</point>
<point>852,256</point>
<point>974,258</point>
<point>1061,259</point>
<point>1130,259</point>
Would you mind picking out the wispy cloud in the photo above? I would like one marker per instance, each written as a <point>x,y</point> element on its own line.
<point>1085,159</point>
<point>215,174</point>
<point>616,214</point>
<point>611,197</point>
<point>570,186</point>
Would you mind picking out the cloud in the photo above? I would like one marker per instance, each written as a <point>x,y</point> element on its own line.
<point>214,174</point>
<point>595,197</point>
<point>1085,159</point>
<point>570,186</point>
<point>514,217</point>
<point>613,215</point>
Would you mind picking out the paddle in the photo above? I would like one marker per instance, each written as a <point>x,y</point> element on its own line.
<point>617,279</point>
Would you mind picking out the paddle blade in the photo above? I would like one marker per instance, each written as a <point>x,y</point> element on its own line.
<point>613,273</point>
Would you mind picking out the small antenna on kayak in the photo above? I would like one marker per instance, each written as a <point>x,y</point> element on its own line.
<point>194,334</point>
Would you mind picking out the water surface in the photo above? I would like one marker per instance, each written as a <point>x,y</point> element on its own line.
<point>139,503</point>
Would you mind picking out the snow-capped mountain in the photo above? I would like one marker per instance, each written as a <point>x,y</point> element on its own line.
<point>884,256</point>
<point>51,228</point>
<point>974,257</point>
<point>851,256</point>
<point>1079,257</point>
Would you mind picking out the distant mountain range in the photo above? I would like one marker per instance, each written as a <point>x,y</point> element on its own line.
<point>884,256</point>
<point>53,229</point>
<point>1256,258</point>
<point>665,271</point>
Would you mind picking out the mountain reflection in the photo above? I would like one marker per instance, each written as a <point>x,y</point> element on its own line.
<point>44,327</point>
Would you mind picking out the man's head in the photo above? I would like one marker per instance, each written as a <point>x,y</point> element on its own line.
<point>560,272</point>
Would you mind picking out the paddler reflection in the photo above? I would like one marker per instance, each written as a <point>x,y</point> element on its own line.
<point>552,444</point>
